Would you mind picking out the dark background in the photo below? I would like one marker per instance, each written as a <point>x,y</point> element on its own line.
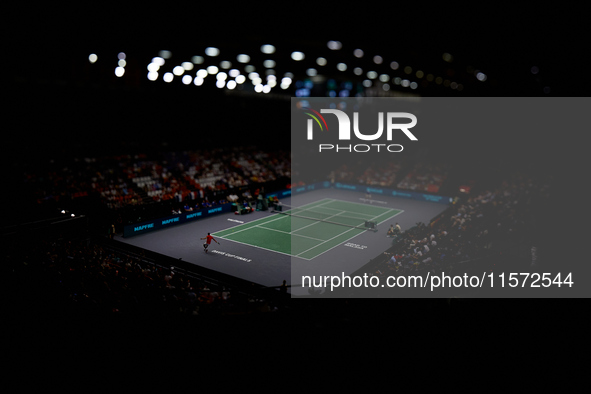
<point>54,108</point>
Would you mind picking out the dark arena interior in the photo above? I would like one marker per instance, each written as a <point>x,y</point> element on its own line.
<point>117,122</point>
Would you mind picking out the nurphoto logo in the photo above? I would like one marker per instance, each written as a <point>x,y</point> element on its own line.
<point>344,132</point>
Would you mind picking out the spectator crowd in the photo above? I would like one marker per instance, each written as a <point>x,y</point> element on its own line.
<point>404,174</point>
<point>185,180</point>
<point>481,225</point>
<point>83,276</point>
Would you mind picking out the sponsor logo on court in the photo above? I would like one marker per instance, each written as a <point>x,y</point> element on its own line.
<point>168,221</point>
<point>355,246</point>
<point>144,227</point>
<point>193,215</point>
<point>231,255</point>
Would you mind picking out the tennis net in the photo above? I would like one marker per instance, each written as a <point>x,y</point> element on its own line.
<point>328,215</point>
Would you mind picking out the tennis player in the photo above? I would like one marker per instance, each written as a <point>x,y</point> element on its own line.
<point>208,239</point>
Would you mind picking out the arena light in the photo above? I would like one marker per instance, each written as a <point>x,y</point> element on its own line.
<point>321,61</point>
<point>119,71</point>
<point>231,85</point>
<point>225,64</point>
<point>212,70</point>
<point>220,83</point>
<point>481,76</point>
<point>121,56</point>
<point>178,71</point>
<point>341,67</point>
<point>447,57</point>
<point>212,51</point>
<point>269,63</point>
<point>311,72</point>
<point>242,58</point>
<point>152,75</point>
<point>358,53</point>
<point>234,73</point>
<point>153,67</point>
<point>249,68</point>
<point>158,61</point>
<point>384,78</point>
<point>297,56</point>
<point>188,66</point>
<point>285,82</point>
<point>394,65</point>
<point>197,59</point>
<point>268,49</point>
<point>165,54</point>
<point>266,89</point>
<point>378,59</point>
<point>253,75</point>
<point>121,63</point>
<point>221,76</point>
<point>92,58</point>
<point>202,73</point>
<point>198,81</point>
<point>357,71</point>
<point>187,79</point>
<point>168,77</point>
<point>258,88</point>
<point>240,79</point>
<point>372,74</point>
<point>334,45</point>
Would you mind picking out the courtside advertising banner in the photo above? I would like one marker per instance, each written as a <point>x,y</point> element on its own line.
<point>430,197</point>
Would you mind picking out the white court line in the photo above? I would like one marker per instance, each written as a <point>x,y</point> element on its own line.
<point>338,235</point>
<point>288,233</point>
<point>292,233</point>
<point>389,217</point>
<point>356,203</point>
<point>261,219</point>
<point>317,221</point>
<point>335,209</point>
<point>339,244</point>
<point>343,234</point>
<point>260,247</point>
<point>288,215</point>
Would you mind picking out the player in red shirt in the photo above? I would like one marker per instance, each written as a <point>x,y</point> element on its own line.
<point>209,238</point>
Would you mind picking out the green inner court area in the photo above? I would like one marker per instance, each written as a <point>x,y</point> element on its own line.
<point>309,230</point>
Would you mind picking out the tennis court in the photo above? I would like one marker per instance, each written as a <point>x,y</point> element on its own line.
<point>309,230</point>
